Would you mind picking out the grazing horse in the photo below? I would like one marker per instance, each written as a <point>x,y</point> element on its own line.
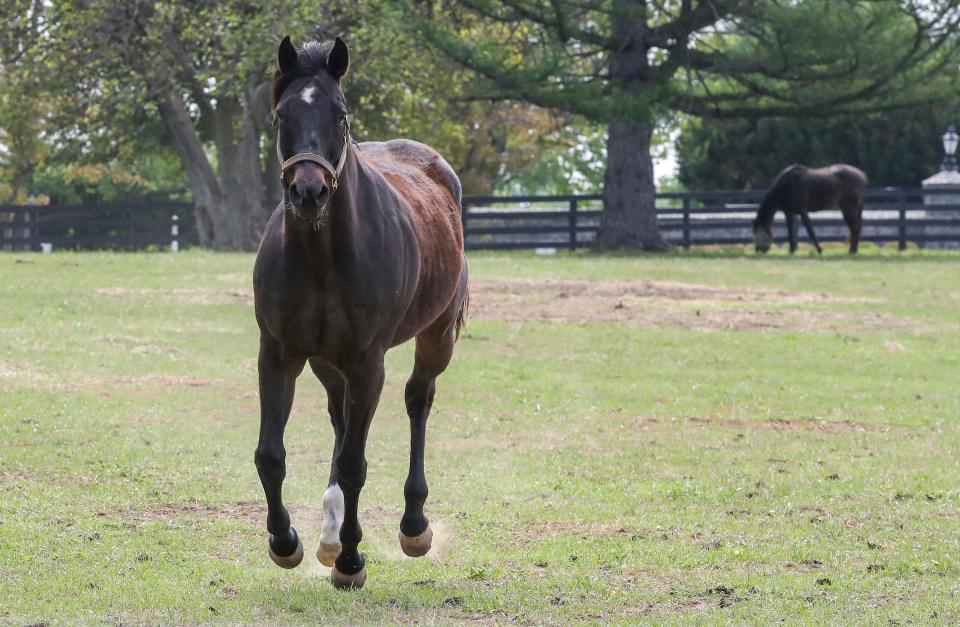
<point>364,253</point>
<point>800,190</point>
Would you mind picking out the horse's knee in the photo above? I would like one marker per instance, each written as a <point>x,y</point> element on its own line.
<point>270,462</point>
<point>418,395</point>
<point>351,473</point>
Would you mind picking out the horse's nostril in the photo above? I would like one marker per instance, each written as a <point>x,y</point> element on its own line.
<point>307,192</point>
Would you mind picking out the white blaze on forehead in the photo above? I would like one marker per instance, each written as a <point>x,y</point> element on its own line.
<point>307,94</point>
<point>332,515</point>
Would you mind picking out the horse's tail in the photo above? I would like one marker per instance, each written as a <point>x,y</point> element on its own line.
<point>465,305</point>
<point>462,314</point>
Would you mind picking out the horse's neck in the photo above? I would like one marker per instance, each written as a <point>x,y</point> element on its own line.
<point>337,236</point>
<point>768,207</point>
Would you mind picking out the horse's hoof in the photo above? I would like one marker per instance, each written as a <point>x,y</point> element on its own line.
<point>288,561</point>
<point>417,546</point>
<point>342,581</point>
<point>327,553</point>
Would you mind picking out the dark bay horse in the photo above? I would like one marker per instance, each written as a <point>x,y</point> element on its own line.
<point>798,190</point>
<point>365,252</point>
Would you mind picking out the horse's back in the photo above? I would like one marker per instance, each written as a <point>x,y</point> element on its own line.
<point>430,191</point>
<point>414,167</point>
<point>853,177</point>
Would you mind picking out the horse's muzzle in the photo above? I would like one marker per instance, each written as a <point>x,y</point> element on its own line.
<point>762,241</point>
<point>308,198</point>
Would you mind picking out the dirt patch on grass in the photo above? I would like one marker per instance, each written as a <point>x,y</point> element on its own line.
<point>574,288</point>
<point>252,513</point>
<point>18,377</point>
<point>161,379</point>
<point>822,426</point>
<point>570,528</point>
<point>189,296</point>
<point>248,512</point>
<point>653,303</point>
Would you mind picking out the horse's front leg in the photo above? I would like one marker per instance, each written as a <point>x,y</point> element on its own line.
<point>792,231</point>
<point>364,381</point>
<point>278,374</point>
<point>333,382</point>
<point>808,224</point>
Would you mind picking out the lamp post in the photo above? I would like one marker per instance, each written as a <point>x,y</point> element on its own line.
<point>949,148</point>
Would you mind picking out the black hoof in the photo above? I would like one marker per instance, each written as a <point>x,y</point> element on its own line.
<point>418,545</point>
<point>286,551</point>
<point>343,579</point>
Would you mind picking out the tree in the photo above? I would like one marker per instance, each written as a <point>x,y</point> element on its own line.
<point>630,63</point>
<point>122,74</point>
<point>124,85</point>
<point>894,148</point>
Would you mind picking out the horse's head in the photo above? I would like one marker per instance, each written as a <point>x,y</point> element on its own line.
<point>313,136</point>
<point>762,236</point>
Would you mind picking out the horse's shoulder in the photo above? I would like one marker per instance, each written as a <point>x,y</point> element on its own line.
<point>270,242</point>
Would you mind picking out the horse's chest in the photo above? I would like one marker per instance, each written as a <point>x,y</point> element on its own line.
<point>327,323</point>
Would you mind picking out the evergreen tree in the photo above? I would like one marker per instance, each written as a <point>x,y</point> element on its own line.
<point>629,63</point>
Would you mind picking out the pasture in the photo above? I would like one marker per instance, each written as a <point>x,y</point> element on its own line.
<point>680,439</point>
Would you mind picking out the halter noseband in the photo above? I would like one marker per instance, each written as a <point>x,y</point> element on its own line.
<point>320,160</point>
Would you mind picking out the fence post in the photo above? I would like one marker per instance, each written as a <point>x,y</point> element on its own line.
<point>573,223</point>
<point>34,229</point>
<point>902,226</point>
<point>686,223</point>
<point>174,233</point>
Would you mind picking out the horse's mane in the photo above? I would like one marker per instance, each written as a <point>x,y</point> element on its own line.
<point>787,170</point>
<point>311,61</point>
<point>774,196</point>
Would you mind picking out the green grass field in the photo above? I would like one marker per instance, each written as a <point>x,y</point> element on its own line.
<point>681,439</point>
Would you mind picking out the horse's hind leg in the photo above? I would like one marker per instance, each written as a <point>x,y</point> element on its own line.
<point>334,384</point>
<point>792,231</point>
<point>433,353</point>
<point>278,376</point>
<point>853,216</point>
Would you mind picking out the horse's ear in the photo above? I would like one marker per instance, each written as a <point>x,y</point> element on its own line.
<point>338,61</point>
<point>286,55</point>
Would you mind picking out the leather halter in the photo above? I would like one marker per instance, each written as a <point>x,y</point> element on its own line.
<point>320,160</point>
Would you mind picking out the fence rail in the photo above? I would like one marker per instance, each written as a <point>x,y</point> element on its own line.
<point>686,219</point>
<point>130,226</point>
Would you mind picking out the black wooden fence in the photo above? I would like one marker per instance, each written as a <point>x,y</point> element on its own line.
<point>492,222</point>
<point>699,219</point>
<point>133,226</point>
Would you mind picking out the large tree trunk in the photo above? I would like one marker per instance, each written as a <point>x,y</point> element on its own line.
<point>629,218</point>
<point>237,138</point>
<point>203,180</point>
<point>229,204</point>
